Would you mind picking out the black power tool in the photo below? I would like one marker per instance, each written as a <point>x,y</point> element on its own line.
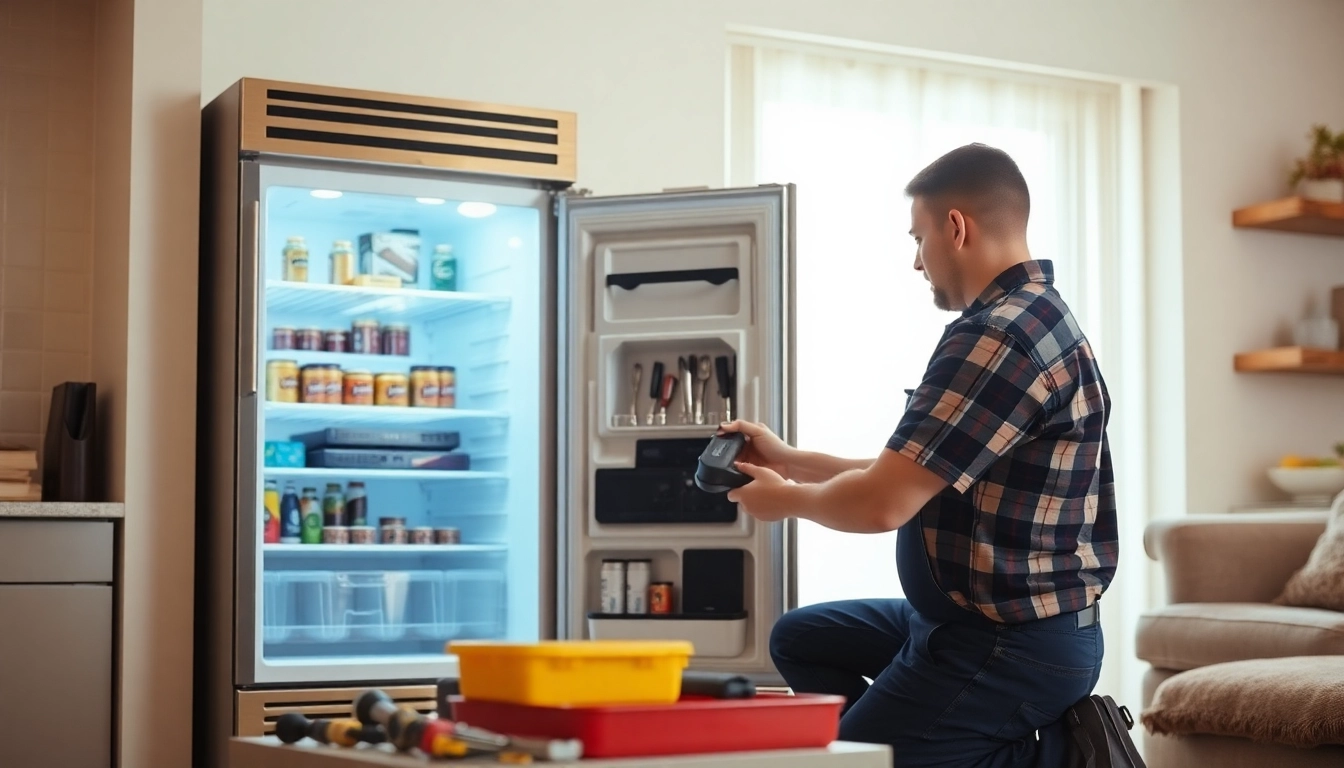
<point>717,472</point>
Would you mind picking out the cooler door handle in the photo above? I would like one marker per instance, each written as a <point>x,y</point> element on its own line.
<point>632,280</point>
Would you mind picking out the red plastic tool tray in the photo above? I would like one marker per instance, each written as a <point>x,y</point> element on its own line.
<point>692,725</point>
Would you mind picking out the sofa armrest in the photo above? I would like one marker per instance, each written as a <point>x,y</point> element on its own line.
<point>1233,558</point>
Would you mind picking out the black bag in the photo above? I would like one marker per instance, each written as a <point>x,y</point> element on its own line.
<point>1099,731</point>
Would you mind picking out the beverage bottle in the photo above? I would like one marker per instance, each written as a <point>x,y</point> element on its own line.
<point>356,504</point>
<point>333,506</point>
<point>311,509</point>
<point>291,517</point>
<point>270,518</point>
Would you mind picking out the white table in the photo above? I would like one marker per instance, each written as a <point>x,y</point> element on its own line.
<point>268,752</point>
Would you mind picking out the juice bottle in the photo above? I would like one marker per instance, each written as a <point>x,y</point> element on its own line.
<point>291,517</point>
<point>270,519</point>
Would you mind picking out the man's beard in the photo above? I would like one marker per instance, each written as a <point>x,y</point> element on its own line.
<point>940,299</point>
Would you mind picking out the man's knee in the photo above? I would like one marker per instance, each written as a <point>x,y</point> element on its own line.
<point>785,632</point>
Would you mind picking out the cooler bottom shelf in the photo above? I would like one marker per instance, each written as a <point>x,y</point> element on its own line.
<point>690,726</point>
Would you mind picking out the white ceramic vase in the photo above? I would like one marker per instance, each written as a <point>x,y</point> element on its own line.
<point>1329,190</point>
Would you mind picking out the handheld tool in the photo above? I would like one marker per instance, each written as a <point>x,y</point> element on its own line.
<point>703,371</point>
<point>655,384</point>
<point>293,727</point>
<point>716,472</point>
<point>727,385</point>
<point>718,685</point>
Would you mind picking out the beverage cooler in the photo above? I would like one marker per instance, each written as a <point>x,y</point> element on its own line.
<point>442,396</point>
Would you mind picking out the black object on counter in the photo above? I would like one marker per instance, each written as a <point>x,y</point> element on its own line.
<point>716,472</point>
<point>67,451</point>
<point>718,685</point>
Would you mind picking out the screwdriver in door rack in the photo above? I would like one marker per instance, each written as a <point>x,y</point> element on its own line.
<point>686,366</point>
<point>726,385</point>
<point>655,384</point>
<point>636,378</point>
<point>665,396</point>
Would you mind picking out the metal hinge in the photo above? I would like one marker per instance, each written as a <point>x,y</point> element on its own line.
<point>567,192</point>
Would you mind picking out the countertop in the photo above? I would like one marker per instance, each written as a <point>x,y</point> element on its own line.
<point>72,510</point>
<point>268,752</point>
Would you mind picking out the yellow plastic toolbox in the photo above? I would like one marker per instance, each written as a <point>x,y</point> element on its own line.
<point>559,673</point>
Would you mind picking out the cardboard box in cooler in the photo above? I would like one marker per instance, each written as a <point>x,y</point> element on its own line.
<point>395,253</point>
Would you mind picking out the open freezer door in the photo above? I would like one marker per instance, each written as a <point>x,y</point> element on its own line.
<point>676,312</point>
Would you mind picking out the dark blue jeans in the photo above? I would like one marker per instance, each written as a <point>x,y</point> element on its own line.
<point>944,694</point>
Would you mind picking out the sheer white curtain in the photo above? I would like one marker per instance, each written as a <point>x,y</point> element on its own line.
<point>850,128</point>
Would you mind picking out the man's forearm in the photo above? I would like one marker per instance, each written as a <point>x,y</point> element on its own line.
<point>811,467</point>
<point>847,503</point>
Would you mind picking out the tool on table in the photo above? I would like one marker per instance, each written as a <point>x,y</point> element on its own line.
<point>665,397</point>
<point>727,385</point>
<point>655,384</point>
<point>636,378</point>
<point>293,727</point>
<point>373,707</point>
<point>717,471</point>
<point>703,371</point>
<point>686,365</point>
<point>718,685</point>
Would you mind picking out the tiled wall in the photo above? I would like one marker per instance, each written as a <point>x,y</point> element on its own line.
<point>46,194</point>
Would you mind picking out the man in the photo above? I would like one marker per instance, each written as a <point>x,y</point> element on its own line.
<point>999,479</point>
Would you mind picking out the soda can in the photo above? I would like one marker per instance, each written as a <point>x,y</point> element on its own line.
<point>363,534</point>
<point>422,535</point>
<point>613,586</point>
<point>335,534</point>
<point>447,536</point>
<point>637,578</point>
<point>660,597</point>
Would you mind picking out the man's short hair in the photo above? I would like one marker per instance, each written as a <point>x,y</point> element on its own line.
<point>983,181</point>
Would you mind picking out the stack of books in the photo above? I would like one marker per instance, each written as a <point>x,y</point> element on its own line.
<point>17,466</point>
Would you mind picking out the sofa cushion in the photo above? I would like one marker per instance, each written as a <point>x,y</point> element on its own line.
<point>1294,702</point>
<point>1320,583</point>
<point>1189,635</point>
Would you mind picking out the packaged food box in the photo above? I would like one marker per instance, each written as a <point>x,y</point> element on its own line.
<point>395,253</point>
<point>568,673</point>
<point>285,453</point>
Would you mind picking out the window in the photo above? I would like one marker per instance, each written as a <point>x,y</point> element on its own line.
<point>850,126</point>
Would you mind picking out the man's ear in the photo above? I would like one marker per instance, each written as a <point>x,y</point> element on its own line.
<point>958,223</point>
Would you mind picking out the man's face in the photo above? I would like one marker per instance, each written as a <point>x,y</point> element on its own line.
<point>935,254</point>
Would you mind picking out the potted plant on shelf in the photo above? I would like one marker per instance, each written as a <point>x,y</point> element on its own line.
<point>1320,175</point>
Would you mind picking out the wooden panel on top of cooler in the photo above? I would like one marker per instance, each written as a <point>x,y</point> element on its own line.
<point>373,126</point>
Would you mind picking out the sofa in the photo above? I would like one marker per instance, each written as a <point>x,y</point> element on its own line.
<point>1222,573</point>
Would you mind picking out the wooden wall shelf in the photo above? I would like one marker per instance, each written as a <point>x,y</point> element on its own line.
<point>1293,214</point>
<point>1290,360</point>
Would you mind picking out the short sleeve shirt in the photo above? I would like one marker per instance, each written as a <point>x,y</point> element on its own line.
<point>1012,413</point>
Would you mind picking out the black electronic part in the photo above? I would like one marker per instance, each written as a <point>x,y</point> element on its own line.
<point>717,471</point>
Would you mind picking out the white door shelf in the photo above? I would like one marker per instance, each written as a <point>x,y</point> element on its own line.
<point>406,304</point>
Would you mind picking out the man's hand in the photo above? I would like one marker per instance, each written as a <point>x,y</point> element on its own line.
<point>764,448</point>
<point>767,497</point>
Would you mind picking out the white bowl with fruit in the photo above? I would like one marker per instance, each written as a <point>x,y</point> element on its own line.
<point>1309,479</point>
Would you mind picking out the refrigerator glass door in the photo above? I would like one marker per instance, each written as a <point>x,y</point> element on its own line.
<point>676,313</point>
<point>391,491</point>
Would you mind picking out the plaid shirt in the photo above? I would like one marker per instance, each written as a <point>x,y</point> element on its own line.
<point>1012,413</point>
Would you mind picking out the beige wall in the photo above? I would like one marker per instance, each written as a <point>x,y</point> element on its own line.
<point>148,138</point>
<point>647,81</point>
<point>46,185</point>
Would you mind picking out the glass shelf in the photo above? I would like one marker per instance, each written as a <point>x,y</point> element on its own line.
<point>382,474</point>
<point>357,301</point>
<point>374,415</point>
<point>381,549</point>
